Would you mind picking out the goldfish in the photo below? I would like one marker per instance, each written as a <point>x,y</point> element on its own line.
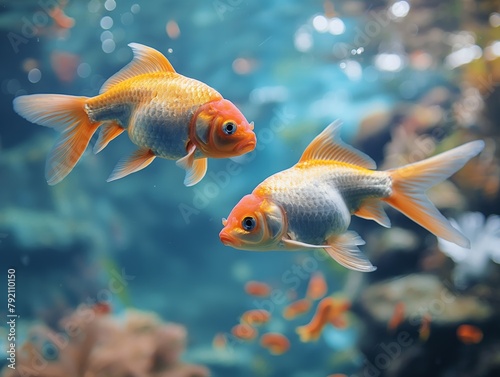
<point>309,205</point>
<point>425,328</point>
<point>244,331</point>
<point>296,309</point>
<point>219,341</point>
<point>398,316</point>
<point>166,115</point>
<point>324,313</point>
<point>469,334</point>
<point>255,317</point>
<point>276,343</point>
<point>255,288</point>
<point>317,287</point>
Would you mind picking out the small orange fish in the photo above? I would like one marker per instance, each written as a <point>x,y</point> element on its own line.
<point>102,308</point>
<point>324,312</point>
<point>244,332</point>
<point>166,115</point>
<point>469,334</point>
<point>317,287</point>
<point>255,317</point>
<point>296,309</point>
<point>61,19</point>
<point>337,375</point>
<point>255,288</point>
<point>309,206</point>
<point>220,341</point>
<point>276,343</point>
<point>425,328</point>
<point>398,316</point>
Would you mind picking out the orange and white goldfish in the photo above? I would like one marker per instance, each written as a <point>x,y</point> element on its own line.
<point>469,334</point>
<point>244,331</point>
<point>255,317</point>
<point>324,313</point>
<point>256,288</point>
<point>310,205</point>
<point>166,115</point>
<point>276,343</point>
<point>296,308</point>
<point>317,286</point>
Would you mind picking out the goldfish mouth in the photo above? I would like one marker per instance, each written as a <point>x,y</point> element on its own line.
<point>245,146</point>
<point>228,240</point>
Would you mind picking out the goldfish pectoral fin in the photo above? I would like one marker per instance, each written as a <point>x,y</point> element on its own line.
<point>137,161</point>
<point>67,115</point>
<point>146,60</point>
<point>329,146</point>
<point>372,209</point>
<point>196,173</point>
<point>410,183</point>
<point>108,132</point>
<point>187,161</point>
<point>344,249</point>
<point>297,245</point>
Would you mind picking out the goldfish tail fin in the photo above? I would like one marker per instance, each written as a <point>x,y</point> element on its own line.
<point>67,115</point>
<point>410,183</point>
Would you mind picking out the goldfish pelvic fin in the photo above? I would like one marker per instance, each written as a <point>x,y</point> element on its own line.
<point>344,249</point>
<point>329,146</point>
<point>146,60</point>
<point>410,182</point>
<point>67,115</point>
<point>371,209</point>
<point>108,132</point>
<point>137,161</point>
<point>195,169</point>
<point>297,245</point>
<point>196,173</point>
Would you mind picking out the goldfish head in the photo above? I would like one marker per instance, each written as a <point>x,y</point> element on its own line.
<point>255,223</point>
<point>221,130</point>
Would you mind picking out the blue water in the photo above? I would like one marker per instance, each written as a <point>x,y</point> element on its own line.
<point>289,75</point>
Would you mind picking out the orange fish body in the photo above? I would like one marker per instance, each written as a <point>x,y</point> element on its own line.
<point>317,287</point>
<point>256,288</point>
<point>296,309</point>
<point>167,115</point>
<point>324,312</point>
<point>255,317</point>
<point>276,343</point>
<point>310,205</point>
<point>469,334</point>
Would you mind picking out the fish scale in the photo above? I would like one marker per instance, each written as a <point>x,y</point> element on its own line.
<point>320,196</point>
<point>151,107</point>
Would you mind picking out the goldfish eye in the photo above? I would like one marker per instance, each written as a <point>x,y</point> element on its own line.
<point>248,223</point>
<point>229,128</point>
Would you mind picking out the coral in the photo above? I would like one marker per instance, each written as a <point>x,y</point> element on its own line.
<point>484,234</point>
<point>91,343</point>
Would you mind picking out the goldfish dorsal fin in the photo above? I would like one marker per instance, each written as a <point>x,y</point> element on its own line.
<point>329,146</point>
<point>146,60</point>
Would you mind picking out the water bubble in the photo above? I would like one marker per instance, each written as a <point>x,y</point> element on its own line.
<point>106,35</point>
<point>110,5</point>
<point>108,46</point>
<point>34,75</point>
<point>94,6</point>
<point>320,23</point>
<point>84,70</point>
<point>399,9</point>
<point>127,19</point>
<point>170,50</point>
<point>336,26</point>
<point>303,40</point>
<point>106,22</point>
<point>136,8</point>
